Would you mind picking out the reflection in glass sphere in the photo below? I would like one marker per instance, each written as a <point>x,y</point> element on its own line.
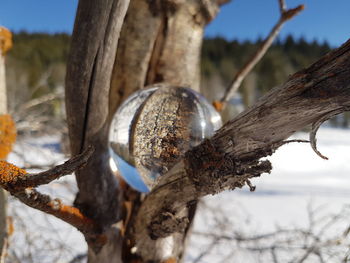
<point>154,127</point>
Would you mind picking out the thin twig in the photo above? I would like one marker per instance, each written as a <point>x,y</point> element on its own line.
<point>316,125</point>
<point>282,5</point>
<point>37,101</point>
<point>257,56</point>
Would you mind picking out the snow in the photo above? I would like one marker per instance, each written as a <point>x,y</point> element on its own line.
<point>39,237</point>
<point>299,180</point>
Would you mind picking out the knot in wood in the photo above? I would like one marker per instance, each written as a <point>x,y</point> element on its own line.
<point>165,224</point>
<point>209,167</point>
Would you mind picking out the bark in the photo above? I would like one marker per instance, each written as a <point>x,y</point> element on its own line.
<point>232,156</point>
<point>89,69</point>
<point>160,42</point>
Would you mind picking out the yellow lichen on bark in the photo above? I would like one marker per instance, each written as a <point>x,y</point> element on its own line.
<point>5,40</point>
<point>7,135</point>
<point>9,172</point>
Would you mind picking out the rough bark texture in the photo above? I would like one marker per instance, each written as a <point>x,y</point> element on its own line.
<point>160,42</point>
<point>89,69</point>
<point>232,156</point>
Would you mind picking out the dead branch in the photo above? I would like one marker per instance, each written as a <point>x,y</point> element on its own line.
<point>260,52</point>
<point>328,232</point>
<point>14,179</point>
<point>38,101</point>
<point>55,207</point>
<point>20,184</point>
<point>233,155</point>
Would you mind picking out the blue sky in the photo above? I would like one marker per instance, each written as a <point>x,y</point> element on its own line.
<point>241,19</point>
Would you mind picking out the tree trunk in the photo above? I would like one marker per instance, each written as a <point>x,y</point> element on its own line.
<point>233,155</point>
<point>89,69</point>
<point>160,42</point>
<point>153,31</point>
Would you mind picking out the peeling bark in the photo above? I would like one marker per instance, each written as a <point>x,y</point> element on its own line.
<point>232,156</point>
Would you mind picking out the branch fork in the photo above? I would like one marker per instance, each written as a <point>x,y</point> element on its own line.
<point>22,185</point>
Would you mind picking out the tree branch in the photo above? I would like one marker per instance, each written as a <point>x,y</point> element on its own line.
<point>14,179</point>
<point>282,5</point>
<point>20,184</point>
<point>257,56</point>
<point>89,69</point>
<point>55,207</point>
<point>233,155</point>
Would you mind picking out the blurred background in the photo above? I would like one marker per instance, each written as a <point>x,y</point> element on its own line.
<point>297,214</point>
<point>35,66</point>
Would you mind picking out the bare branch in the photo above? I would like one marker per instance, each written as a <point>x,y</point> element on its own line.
<point>15,179</point>
<point>20,184</point>
<point>37,101</point>
<point>256,57</point>
<point>282,5</point>
<point>55,207</point>
<point>300,242</point>
<point>317,125</point>
<point>216,165</point>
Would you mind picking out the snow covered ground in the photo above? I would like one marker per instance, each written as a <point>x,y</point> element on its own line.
<point>300,181</point>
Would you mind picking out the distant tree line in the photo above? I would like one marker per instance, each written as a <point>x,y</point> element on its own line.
<point>36,66</point>
<point>222,58</point>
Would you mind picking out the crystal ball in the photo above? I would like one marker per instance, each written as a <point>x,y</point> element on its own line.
<point>153,128</point>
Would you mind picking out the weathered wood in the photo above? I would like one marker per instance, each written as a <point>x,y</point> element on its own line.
<point>260,52</point>
<point>89,69</point>
<point>232,156</point>
<point>160,42</point>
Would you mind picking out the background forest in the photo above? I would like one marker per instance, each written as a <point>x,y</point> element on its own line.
<point>35,71</point>
<point>35,80</point>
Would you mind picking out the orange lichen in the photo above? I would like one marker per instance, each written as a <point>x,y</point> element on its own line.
<point>170,260</point>
<point>10,226</point>
<point>73,216</point>
<point>9,173</point>
<point>218,105</point>
<point>5,40</point>
<point>7,135</point>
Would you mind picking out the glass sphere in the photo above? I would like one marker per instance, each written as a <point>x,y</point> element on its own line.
<point>154,127</point>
